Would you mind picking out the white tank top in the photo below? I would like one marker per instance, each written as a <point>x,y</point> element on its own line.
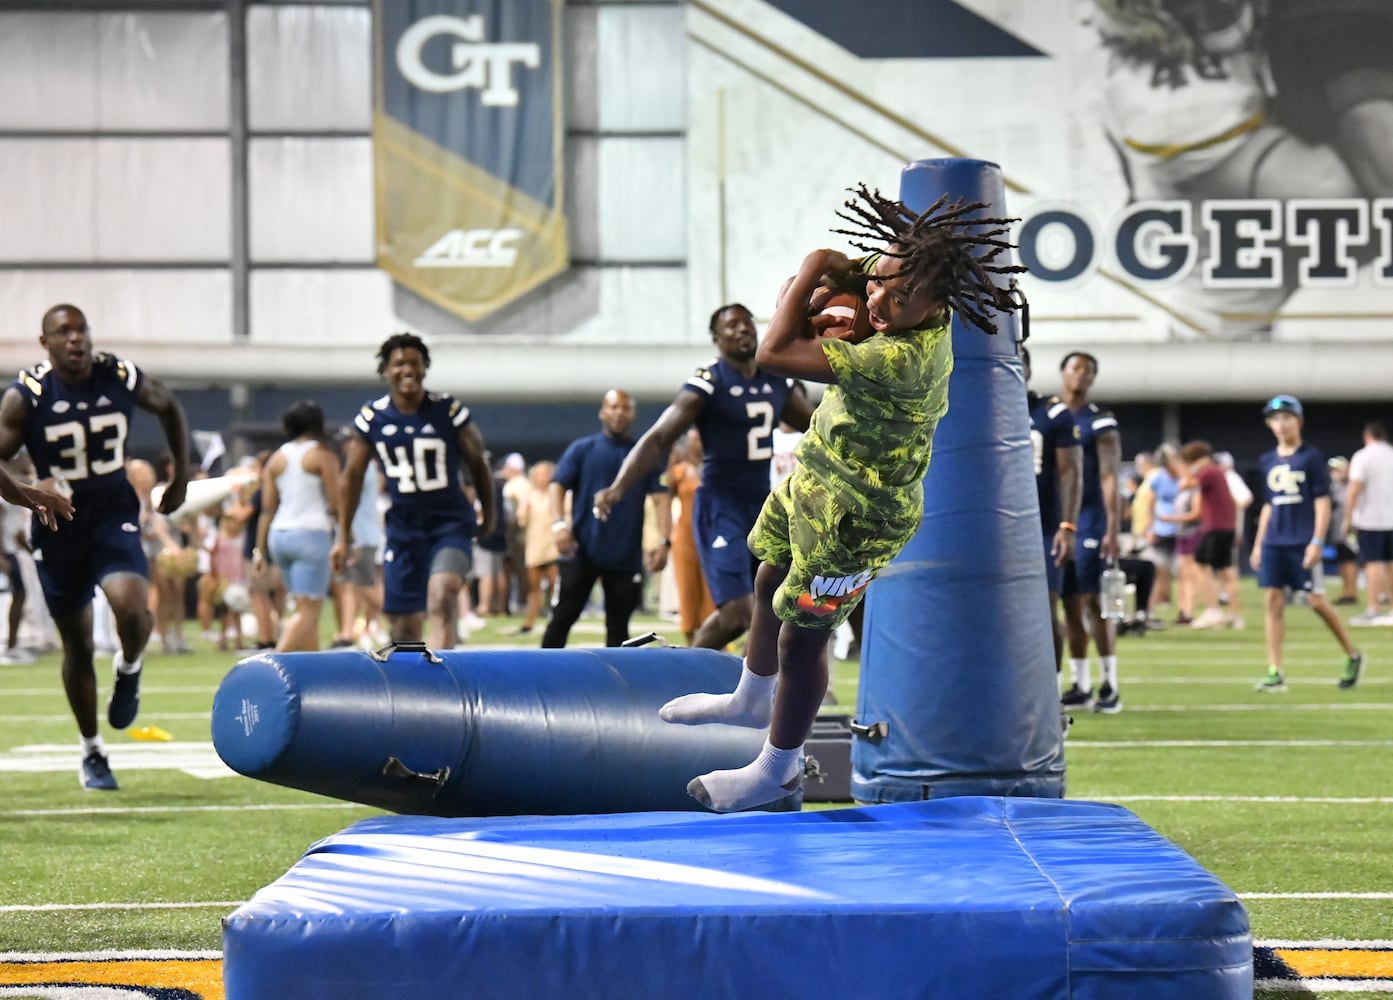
<point>302,505</point>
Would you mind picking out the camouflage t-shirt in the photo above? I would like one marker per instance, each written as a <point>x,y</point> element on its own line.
<point>872,434</point>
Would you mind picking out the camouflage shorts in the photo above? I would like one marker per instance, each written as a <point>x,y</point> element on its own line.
<point>834,543</point>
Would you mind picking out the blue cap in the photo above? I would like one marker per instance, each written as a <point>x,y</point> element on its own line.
<point>1282,404</point>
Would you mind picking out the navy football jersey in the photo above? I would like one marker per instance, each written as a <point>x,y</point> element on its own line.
<point>1092,421</point>
<point>418,454</point>
<point>77,433</point>
<point>1291,484</point>
<point>737,425</point>
<point>1051,427</point>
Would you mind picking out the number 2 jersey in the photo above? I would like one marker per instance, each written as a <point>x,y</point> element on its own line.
<point>77,432</point>
<point>420,457</point>
<point>737,426</point>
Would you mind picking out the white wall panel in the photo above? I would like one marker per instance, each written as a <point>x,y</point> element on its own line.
<point>85,72</point>
<point>162,71</point>
<point>166,306</point>
<point>48,71</point>
<point>643,71</point>
<point>311,200</point>
<point>332,308</point>
<point>642,199</point>
<point>162,199</point>
<point>115,199</point>
<point>595,305</point>
<point>309,68</point>
<point>582,164</point>
<point>49,204</point>
<point>641,305</point>
<point>580,69</point>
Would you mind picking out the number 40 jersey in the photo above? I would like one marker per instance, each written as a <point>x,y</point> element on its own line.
<point>77,431</point>
<point>419,455</point>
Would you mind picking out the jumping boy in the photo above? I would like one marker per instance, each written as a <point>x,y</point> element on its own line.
<point>1291,537</point>
<point>856,497</point>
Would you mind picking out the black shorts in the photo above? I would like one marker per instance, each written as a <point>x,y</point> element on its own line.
<point>1215,550</point>
<point>103,538</point>
<point>1375,546</point>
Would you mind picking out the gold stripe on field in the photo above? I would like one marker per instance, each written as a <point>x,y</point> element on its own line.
<point>202,977</point>
<point>1322,963</point>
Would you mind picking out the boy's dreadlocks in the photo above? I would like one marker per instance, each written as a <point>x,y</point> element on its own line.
<point>941,251</point>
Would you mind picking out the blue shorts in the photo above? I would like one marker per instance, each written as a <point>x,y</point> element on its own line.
<point>1054,575</point>
<point>1084,573</point>
<point>414,548</point>
<point>1375,546</point>
<point>1281,567</point>
<point>722,523</point>
<point>102,538</point>
<point>303,557</point>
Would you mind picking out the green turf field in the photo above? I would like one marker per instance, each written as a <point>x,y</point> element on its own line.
<point>1287,797</point>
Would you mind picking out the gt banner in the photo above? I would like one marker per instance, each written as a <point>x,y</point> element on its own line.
<point>467,149</point>
<point>1183,169</point>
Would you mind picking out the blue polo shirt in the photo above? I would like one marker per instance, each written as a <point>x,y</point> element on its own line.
<point>588,466</point>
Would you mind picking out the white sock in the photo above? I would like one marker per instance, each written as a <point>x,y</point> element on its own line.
<point>1080,672</point>
<point>1109,670</point>
<point>90,743</point>
<point>122,667</point>
<point>768,778</point>
<point>751,704</point>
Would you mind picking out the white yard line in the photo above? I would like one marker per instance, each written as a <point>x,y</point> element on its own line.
<point>1310,986</point>
<point>1324,944</point>
<point>138,810</point>
<point>198,759</point>
<point>1249,680</point>
<point>1261,799</point>
<point>63,907</point>
<point>56,690</point>
<point>1270,706</point>
<point>108,956</point>
<point>1315,895</point>
<point>67,717</point>
<point>1212,744</point>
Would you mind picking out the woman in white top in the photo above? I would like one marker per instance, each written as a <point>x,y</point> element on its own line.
<point>299,496</point>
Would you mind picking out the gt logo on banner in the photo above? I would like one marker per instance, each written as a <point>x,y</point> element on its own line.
<point>467,147</point>
<point>482,66</point>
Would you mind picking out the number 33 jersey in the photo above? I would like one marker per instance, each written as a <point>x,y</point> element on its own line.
<point>77,431</point>
<point>420,457</point>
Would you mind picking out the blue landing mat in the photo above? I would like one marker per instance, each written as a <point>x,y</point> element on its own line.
<point>952,898</point>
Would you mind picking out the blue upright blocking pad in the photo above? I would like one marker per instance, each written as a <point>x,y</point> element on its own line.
<point>951,898</point>
<point>957,664</point>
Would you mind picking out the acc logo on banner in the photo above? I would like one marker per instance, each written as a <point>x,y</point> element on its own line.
<point>467,149</point>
